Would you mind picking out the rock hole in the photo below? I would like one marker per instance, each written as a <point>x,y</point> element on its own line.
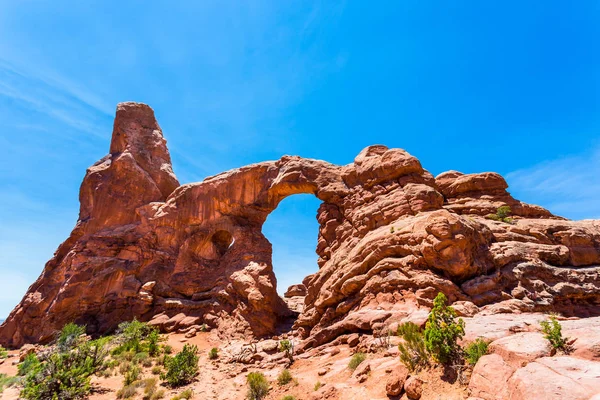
<point>222,240</point>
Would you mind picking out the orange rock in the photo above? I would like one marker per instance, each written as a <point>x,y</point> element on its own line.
<point>391,236</point>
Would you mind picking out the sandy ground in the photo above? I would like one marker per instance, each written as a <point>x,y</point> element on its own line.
<point>219,380</point>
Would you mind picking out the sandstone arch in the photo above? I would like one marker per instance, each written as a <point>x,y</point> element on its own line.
<point>391,235</point>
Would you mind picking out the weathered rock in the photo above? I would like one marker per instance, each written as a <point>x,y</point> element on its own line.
<point>296,290</point>
<point>488,381</point>
<point>555,378</point>
<point>391,236</point>
<point>361,373</point>
<point>521,348</point>
<point>395,382</point>
<point>413,387</point>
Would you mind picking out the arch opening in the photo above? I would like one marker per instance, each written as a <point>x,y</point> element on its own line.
<point>292,229</point>
<point>222,241</point>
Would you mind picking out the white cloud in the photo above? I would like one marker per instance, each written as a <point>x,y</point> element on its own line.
<point>53,96</point>
<point>567,186</point>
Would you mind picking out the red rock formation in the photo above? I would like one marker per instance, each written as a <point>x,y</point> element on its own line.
<point>391,236</point>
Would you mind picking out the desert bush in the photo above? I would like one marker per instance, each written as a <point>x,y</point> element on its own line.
<point>553,332</point>
<point>29,364</point>
<point>151,391</point>
<point>413,353</point>
<point>66,375</point>
<point>288,397</point>
<point>153,343</point>
<point>258,386</point>
<point>182,368</point>
<point>167,349</point>
<point>186,394</point>
<point>156,370</point>
<point>132,337</point>
<point>318,385</point>
<point>131,375</point>
<point>356,359</point>
<point>502,214</point>
<point>3,352</point>
<point>69,336</point>
<point>129,391</point>
<point>284,377</point>
<point>287,347</point>
<point>475,350</point>
<point>213,354</point>
<point>442,331</point>
<point>7,381</point>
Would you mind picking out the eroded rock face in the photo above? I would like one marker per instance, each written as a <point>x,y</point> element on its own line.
<point>391,236</point>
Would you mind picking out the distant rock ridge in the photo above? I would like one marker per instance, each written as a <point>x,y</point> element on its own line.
<point>390,237</point>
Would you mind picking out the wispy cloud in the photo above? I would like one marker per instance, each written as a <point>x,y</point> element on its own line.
<point>567,186</point>
<point>54,96</point>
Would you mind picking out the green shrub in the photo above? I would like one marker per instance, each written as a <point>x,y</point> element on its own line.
<point>128,391</point>
<point>153,340</point>
<point>413,353</point>
<point>284,377</point>
<point>288,397</point>
<point>132,335</point>
<point>442,331</point>
<point>186,394</point>
<point>213,354</point>
<point>356,359</point>
<point>167,349</point>
<point>502,214</point>
<point>258,387</point>
<point>3,353</point>
<point>7,381</point>
<point>553,332</point>
<point>317,386</point>
<point>69,336</point>
<point>131,375</point>
<point>151,391</point>
<point>182,368</point>
<point>66,375</point>
<point>29,364</point>
<point>475,350</point>
<point>287,347</point>
<point>156,370</point>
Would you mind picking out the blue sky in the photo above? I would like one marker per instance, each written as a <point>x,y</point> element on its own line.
<point>509,86</point>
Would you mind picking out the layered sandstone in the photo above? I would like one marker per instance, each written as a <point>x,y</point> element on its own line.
<point>391,236</point>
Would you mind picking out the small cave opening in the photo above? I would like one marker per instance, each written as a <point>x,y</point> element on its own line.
<point>292,229</point>
<point>222,241</point>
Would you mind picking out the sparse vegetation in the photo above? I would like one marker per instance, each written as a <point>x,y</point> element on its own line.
<point>284,377</point>
<point>151,391</point>
<point>213,354</point>
<point>65,374</point>
<point>258,386</point>
<point>288,397</point>
<point>3,352</point>
<point>553,332</point>
<point>287,347</point>
<point>69,335</point>
<point>318,386</point>
<point>475,350</point>
<point>413,353</point>
<point>131,375</point>
<point>502,214</point>
<point>356,359</point>
<point>442,331</point>
<point>185,395</point>
<point>7,381</point>
<point>128,391</point>
<point>182,368</point>
<point>29,364</point>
